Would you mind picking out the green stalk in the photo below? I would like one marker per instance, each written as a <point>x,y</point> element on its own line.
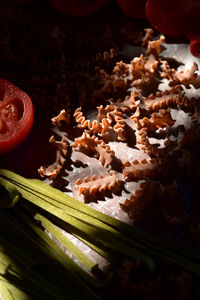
<point>112,233</point>
<point>5,292</point>
<point>10,292</point>
<point>64,200</point>
<point>69,269</point>
<point>16,232</point>
<point>9,269</point>
<point>94,230</point>
<point>58,264</point>
<point>52,229</point>
<point>85,229</point>
<point>9,195</point>
<point>101,249</point>
<point>17,283</point>
<point>31,280</point>
<point>83,259</point>
<point>115,238</point>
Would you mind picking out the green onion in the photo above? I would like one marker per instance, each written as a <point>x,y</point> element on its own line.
<point>92,229</point>
<point>11,292</point>
<point>50,209</point>
<point>59,276</point>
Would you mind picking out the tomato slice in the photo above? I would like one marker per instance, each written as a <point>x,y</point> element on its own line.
<point>78,7</point>
<point>16,116</point>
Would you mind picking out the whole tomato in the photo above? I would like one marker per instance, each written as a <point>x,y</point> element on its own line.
<point>78,7</point>
<point>174,17</point>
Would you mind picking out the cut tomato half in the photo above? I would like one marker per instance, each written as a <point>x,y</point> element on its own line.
<point>16,116</point>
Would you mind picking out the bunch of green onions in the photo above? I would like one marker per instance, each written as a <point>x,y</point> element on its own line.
<point>34,266</point>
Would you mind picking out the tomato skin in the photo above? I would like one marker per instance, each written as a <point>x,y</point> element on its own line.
<point>16,116</point>
<point>174,17</point>
<point>194,44</point>
<point>78,7</point>
<point>133,8</point>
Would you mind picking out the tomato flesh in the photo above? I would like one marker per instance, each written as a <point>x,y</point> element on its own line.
<point>16,116</point>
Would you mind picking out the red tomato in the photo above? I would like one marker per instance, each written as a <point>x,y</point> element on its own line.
<point>174,17</point>
<point>194,44</point>
<point>78,7</point>
<point>16,116</point>
<point>133,8</point>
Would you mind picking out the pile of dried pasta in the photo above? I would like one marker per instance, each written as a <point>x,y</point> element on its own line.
<point>125,149</point>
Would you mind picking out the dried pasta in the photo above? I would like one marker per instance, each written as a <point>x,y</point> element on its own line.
<point>130,110</point>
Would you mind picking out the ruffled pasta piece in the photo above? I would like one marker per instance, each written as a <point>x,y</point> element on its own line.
<point>93,145</point>
<point>136,115</point>
<point>144,169</point>
<point>104,183</point>
<point>159,119</point>
<point>170,203</point>
<point>148,36</point>
<point>95,126</point>
<point>128,104</point>
<point>150,149</point>
<point>114,118</point>
<point>143,70</point>
<point>119,83</point>
<point>136,205</point>
<point>166,99</point>
<point>186,77</point>
<point>121,69</point>
<point>53,170</point>
<point>107,58</point>
<point>107,85</point>
<point>156,47</point>
<point>167,72</point>
<point>108,112</point>
<point>119,127</point>
<point>115,82</point>
<point>64,116</point>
